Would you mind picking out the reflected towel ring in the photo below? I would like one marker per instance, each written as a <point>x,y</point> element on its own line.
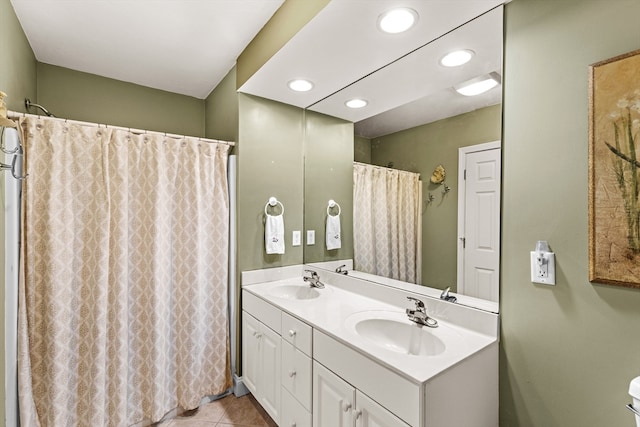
<point>332,204</point>
<point>273,202</point>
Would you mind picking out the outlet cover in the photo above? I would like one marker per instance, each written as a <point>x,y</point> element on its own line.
<point>543,272</point>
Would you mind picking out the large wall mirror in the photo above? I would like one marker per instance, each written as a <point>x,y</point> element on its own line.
<point>416,121</point>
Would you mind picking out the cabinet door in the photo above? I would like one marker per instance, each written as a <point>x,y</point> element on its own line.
<point>250,351</point>
<point>292,413</point>
<point>269,383</point>
<point>370,414</point>
<point>333,399</point>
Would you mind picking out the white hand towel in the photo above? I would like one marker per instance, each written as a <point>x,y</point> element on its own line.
<point>333,232</point>
<point>274,234</point>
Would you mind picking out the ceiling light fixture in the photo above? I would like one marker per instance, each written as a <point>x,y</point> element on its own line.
<point>478,85</point>
<point>300,85</point>
<point>397,20</point>
<point>457,58</point>
<point>356,103</point>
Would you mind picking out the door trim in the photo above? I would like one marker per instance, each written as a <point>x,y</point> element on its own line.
<point>462,190</point>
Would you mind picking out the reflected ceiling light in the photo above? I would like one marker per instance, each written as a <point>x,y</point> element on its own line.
<point>397,20</point>
<point>478,85</point>
<point>356,103</point>
<point>300,85</point>
<point>457,58</point>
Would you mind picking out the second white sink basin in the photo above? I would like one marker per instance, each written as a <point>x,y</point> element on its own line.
<point>390,331</point>
<point>298,292</point>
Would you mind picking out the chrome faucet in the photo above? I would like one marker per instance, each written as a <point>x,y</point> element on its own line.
<point>445,295</point>
<point>340,270</point>
<point>313,279</point>
<point>419,315</point>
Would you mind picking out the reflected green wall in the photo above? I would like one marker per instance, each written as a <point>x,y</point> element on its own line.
<point>420,150</point>
<point>328,174</point>
<point>361,149</point>
<point>88,97</point>
<point>568,352</point>
<point>270,163</point>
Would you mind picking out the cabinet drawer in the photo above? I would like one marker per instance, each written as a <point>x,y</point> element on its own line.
<point>296,373</point>
<point>261,310</point>
<point>293,414</point>
<point>296,332</point>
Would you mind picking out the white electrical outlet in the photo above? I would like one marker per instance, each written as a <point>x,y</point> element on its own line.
<point>543,267</point>
<point>311,237</point>
<point>295,239</point>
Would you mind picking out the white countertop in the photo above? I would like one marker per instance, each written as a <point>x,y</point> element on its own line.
<point>336,310</point>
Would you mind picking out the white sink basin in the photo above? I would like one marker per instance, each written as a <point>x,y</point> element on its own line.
<point>295,292</point>
<point>393,332</point>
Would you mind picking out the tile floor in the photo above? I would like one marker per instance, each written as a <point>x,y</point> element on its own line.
<point>229,411</point>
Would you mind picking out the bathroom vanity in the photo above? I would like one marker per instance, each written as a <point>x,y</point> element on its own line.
<point>347,355</point>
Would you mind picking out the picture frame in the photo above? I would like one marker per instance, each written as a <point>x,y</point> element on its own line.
<point>614,171</point>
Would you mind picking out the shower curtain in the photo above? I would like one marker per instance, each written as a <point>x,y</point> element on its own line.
<point>123,291</point>
<point>386,222</point>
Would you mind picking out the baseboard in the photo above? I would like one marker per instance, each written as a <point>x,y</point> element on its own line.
<point>239,389</point>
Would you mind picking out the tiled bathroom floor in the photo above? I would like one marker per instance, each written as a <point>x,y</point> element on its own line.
<point>228,411</point>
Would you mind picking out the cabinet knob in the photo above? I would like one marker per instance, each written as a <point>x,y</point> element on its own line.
<point>257,335</point>
<point>293,424</point>
<point>346,406</point>
<point>292,333</point>
<point>292,374</point>
<point>358,413</point>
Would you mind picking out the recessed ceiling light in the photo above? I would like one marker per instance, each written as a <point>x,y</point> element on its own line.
<point>300,85</point>
<point>478,85</point>
<point>457,58</point>
<point>397,20</point>
<point>356,103</point>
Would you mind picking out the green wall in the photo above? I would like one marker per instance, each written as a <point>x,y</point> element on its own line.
<point>221,110</point>
<point>420,150</point>
<point>88,97</point>
<point>270,163</point>
<point>328,174</point>
<point>568,352</point>
<point>18,64</point>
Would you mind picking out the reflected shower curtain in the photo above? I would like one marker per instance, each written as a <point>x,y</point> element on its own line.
<point>386,222</point>
<point>123,294</point>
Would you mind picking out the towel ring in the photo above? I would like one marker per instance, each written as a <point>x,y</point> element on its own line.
<point>332,204</point>
<point>273,202</point>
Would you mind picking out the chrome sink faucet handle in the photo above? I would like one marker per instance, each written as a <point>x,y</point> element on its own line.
<point>340,270</point>
<point>446,297</point>
<point>313,278</point>
<point>419,315</point>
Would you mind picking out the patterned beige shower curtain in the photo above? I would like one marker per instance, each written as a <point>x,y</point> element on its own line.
<point>123,297</point>
<point>386,222</point>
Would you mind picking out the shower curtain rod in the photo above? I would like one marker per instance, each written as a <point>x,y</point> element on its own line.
<point>385,168</point>
<point>17,115</point>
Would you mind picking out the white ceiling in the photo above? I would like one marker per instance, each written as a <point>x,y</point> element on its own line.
<point>188,46</point>
<point>179,46</point>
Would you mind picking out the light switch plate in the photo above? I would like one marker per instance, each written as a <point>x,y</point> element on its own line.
<point>311,237</point>
<point>295,240</point>
<point>544,273</point>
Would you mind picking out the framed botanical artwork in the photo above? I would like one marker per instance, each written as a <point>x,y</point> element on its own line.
<point>614,170</point>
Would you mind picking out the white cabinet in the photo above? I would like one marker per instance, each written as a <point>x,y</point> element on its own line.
<point>370,414</point>
<point>337,403</point>
<point>261,363</point>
